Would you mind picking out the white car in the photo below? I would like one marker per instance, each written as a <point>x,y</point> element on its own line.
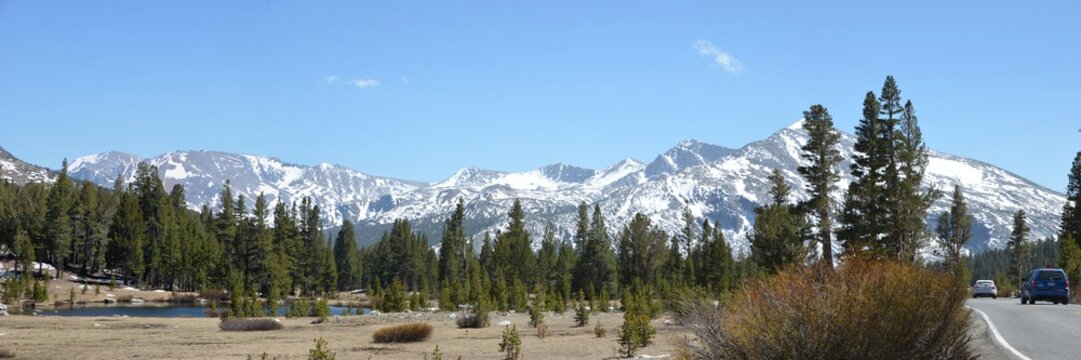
<point>985,288</point>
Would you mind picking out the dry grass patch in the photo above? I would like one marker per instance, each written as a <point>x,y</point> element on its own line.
<point>403,333</point>
<point>250,325</point>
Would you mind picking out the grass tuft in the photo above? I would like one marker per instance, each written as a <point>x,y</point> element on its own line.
<point>250,325</point>
<point>403,333</point>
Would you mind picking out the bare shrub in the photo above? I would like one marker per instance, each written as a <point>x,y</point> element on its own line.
<point>474,317</point>
<point>403,333</point>
<point>214,294</point>
<point>862,310</point>
<point>183,298</point>
<point>250,325</point>
<point>542,329</point>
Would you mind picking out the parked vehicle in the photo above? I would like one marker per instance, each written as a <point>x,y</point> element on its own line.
<point>1046,284</point>
<point>985,288</point>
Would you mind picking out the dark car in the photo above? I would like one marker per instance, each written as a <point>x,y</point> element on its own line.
<point>1046,285</point>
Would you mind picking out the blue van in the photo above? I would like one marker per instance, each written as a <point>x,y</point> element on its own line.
<point>1046,285</point>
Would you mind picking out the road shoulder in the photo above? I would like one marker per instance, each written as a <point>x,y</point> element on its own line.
<point>982,342</point>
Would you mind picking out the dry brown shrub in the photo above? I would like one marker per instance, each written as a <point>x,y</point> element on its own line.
<point>412,332</point>
<point>862,310</point>
<point>250,325</point>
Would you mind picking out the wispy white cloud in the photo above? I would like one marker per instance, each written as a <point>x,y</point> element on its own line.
<point>364,83</point>
<point>719,57</point>
<point>358,83</point>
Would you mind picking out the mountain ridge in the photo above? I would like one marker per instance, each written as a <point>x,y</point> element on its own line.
<point>713,181</point>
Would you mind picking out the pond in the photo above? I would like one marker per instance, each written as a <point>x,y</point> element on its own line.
<point>155,310</point>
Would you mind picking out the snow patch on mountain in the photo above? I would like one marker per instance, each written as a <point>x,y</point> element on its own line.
<point>20,172</point>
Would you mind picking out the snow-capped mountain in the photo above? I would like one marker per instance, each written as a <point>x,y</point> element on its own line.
<point>21,172</point>
<point>715,182</point>
<point>688,153</point>
<point>341,192</point>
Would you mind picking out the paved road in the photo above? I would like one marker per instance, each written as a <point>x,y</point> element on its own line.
<point>1040,331</point>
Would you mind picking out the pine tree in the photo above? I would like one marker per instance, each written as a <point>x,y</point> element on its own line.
<point>596,266</point>
<point>312,258</point>
<point>1070,258</point>
<point>1017,247</point>
<point>912,202</point>
<point>890,113</point>
<point>1071,211</point>
<point>58,222</point>
<point>641,251</point>
<point>513,251</point>
<point>286,240</point>
<point>345,257</point>
<point>149,190</point>
<point>676,267</point>
<point>511,344</point>
<point>954,231</point>
<point>125,249</point>
<point>547,269</point>
<point>259,246</point>
<point>584,269</point>
<point>91,229</point>
<point>821,175</point>
<point>225,223</point>
<point>24,257</point>
<point>718,266</point>
<point>863,217</point>
<point>779,230</point>
<point>566,262</point>
<point>453,251</point>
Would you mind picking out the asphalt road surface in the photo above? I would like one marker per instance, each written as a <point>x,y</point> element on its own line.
<point>1040,331</point>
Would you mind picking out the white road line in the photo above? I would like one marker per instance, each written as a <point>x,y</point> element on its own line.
<point>998,336</point>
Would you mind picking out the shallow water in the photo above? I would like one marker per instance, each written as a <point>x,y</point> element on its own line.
<point>154,310</point>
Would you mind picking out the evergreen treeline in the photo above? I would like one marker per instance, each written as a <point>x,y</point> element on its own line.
<point>995,264</point>
<point>140,233</point>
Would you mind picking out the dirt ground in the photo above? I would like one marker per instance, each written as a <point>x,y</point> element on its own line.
<point>350,337</point>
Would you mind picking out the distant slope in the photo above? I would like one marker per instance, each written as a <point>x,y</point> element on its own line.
<point>342,193</point>
<point>21,172</point>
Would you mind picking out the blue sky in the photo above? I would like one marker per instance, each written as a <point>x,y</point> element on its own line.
<point>418,89</point>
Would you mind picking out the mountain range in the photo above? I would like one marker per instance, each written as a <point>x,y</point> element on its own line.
<point>715,182</point>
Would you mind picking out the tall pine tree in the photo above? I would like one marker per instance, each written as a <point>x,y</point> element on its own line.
<point>821,173</point>
<point>1017,247</point>
<point>912,202</point>
<point>345,257</point>
<point>863,217</point>
<point>58,222</point>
